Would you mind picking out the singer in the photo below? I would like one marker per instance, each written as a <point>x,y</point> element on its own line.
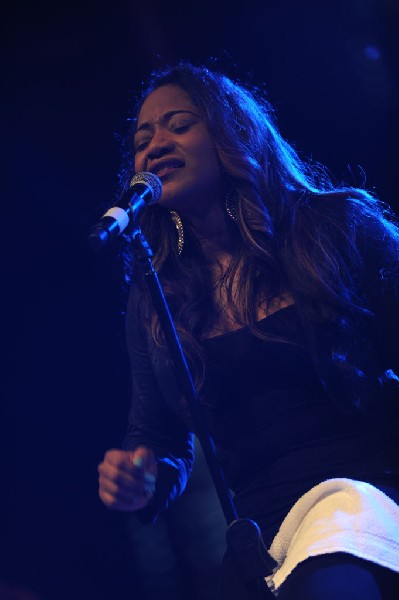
<point>284,291</point>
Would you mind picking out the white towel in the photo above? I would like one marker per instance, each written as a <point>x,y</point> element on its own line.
<point>337,515</point>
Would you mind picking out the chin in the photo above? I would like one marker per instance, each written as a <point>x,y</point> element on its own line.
<point>171,200</point>
<point>168,202</point>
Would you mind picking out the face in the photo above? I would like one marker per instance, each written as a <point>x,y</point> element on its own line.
<point>172,141</point>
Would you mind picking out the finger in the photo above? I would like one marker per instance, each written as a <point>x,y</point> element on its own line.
<point>144,466</point>
<point>129,505</point>
<point>117,458</point>
<point>129,468</point>
<point>142,457</point>
<point>124,478</point>
<point>121,493</point>
<point>139,461</point>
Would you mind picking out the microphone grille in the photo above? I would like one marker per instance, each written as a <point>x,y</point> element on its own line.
<point>150,180</point>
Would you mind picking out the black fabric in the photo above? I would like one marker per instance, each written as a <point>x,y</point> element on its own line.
<point>273,387</point>
<point>340,576</point>
<point>278,433</point>
<point>336,576</point>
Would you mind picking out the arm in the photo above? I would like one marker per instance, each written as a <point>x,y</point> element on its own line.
<point>381,257</point>
<point>155,433</point>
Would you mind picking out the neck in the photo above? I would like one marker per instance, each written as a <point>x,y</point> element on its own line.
<point>214,231</point>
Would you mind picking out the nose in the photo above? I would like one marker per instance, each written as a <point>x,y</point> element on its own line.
<point>161,143</point>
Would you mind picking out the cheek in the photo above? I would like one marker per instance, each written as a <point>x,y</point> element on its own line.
<point>211,163</point>
<point>138,164</point>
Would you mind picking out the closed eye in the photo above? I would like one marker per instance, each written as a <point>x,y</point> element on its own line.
<point>181,128</point>
<point>141,146</point>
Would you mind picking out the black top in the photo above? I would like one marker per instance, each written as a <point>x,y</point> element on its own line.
<point>277,431</point>
<point>286,415</point>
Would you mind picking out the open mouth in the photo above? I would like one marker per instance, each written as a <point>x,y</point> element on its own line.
<point>167,169</point>
<point>166,172</point>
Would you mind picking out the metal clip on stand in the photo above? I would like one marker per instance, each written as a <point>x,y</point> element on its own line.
<point>244,539</point>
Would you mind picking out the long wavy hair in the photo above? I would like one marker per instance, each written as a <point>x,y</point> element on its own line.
<point>297,231</point>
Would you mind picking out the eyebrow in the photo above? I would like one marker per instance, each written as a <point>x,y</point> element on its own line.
<point>168,115</point>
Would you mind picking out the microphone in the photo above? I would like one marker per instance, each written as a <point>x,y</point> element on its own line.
<point>145,189</point>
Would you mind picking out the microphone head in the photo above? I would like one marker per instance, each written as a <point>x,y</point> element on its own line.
<point>150,181</point>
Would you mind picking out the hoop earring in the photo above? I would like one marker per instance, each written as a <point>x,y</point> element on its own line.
<point>179,228</point>
<point>231,205</point>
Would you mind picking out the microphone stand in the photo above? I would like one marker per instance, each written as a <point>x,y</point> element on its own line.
<point>243,536</point>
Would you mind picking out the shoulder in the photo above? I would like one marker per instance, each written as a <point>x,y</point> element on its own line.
<point>362,220</point>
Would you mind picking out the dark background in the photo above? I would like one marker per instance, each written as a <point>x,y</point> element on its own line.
<point>68,79</point>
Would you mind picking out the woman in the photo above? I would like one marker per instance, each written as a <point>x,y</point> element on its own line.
<point>284,291</point>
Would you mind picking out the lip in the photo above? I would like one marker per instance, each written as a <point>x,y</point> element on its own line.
<point>165,168</point>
